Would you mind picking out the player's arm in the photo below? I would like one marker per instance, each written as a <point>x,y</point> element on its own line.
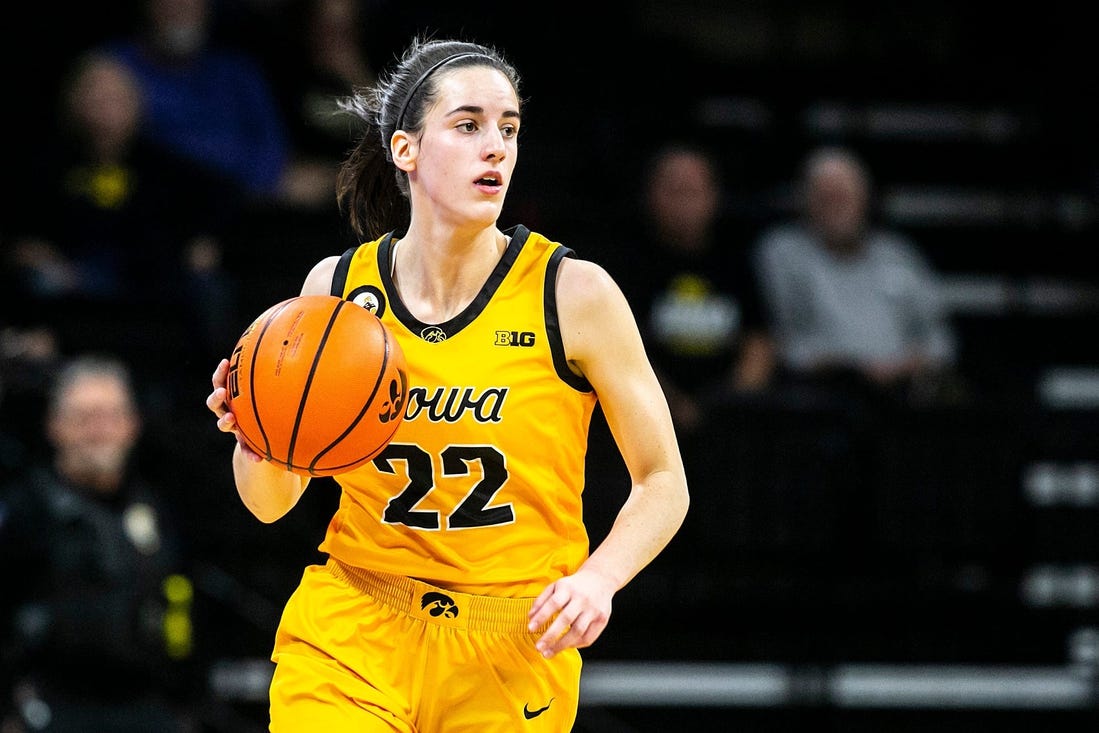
<point>268,490</point>
<point>602,342</point>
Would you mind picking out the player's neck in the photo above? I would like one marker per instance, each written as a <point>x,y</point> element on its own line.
<point>438,278</point>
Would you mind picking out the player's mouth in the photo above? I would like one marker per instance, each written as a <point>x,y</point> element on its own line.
<point>492,181</point>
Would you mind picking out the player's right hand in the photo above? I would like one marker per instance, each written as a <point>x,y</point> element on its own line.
<point>218,403</point>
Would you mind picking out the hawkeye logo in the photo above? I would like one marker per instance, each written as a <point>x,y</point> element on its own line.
<point>514,338</point>
<point>441,604</point>
<point>433,335</point>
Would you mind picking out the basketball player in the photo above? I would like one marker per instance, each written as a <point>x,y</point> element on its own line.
<point>459,586</point>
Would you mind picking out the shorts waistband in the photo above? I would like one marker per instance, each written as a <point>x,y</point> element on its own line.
<point>438,605</point>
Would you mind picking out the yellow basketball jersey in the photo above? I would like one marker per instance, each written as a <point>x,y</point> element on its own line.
<point>480,489</point>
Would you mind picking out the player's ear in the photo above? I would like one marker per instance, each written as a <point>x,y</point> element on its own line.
<point>403,148</point>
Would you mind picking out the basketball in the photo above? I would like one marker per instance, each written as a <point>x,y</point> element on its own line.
<point>317,385</point>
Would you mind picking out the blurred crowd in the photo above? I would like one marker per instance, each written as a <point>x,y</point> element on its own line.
<point>173,186</point>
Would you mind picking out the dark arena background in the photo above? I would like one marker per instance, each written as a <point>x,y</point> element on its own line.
<point>934,570</point>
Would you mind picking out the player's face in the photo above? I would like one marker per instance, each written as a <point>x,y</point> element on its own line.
<point>467,152</point>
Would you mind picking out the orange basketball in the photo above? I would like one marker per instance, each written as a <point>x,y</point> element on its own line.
<point>317,385</point>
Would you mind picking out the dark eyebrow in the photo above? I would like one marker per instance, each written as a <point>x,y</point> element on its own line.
<point>475,110</point>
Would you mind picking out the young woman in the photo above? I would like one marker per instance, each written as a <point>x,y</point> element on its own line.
<point>459,585</point>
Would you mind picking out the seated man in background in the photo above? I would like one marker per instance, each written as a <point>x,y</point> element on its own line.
<point>97,632</point>
<point>850,303</point>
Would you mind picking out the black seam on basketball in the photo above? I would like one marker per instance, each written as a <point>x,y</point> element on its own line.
<point>358,461</point>
<point>404,386</point>
<point>358,418</point>
<point>252,383</point>
<point>309,380</point>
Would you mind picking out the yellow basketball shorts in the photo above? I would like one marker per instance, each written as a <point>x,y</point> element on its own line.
<point>373,653</point>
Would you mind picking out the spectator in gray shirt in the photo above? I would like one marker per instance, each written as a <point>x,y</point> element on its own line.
<point>848,300</point>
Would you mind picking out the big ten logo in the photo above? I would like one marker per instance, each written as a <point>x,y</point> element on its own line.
<point>234,373</point>
<point>514,338</point>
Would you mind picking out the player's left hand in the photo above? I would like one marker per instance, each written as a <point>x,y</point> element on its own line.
<point>579,606</point>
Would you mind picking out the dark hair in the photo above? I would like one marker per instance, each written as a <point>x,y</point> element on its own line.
<point>373,196</point>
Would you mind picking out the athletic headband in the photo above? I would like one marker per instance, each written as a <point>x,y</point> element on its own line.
<point>423,77</point>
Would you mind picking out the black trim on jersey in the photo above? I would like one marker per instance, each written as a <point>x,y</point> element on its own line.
<point>385,265</point>
<point>553,325</point>
<point>518,234</point>
<point>339,277</point>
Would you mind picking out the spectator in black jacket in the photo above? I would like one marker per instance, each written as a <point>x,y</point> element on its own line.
<point>97,600</point>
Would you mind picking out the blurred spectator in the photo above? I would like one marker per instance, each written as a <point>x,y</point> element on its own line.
<point>325,59</point>
<point>853,304</point>
<point>112,235</point>
<point>96,610</point>
<point>691,283</point>
<point>207,102</point>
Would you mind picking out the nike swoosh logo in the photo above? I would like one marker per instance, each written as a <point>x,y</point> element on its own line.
<point>530,714</point>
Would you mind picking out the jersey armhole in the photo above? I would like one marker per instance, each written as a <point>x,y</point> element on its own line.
<point>553,325</point>
<point>339,277</point>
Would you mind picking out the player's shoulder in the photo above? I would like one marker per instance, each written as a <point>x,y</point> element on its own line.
<point>586,289</point>
<point>319,279</point>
